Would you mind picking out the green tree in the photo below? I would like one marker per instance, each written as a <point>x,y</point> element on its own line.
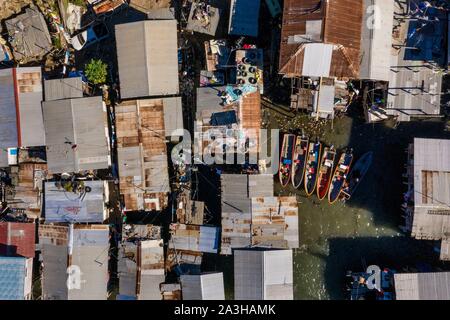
<point>96,71</point>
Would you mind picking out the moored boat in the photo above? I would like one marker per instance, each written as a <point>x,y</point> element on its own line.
<point>287,149</point>
<point>299,160</point>
<point>312,165</point>
<point>340,175</point>
<point>325,172</point>
<point>356,175</point>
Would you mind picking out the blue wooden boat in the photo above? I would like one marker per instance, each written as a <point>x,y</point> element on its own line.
<point>356,175</point>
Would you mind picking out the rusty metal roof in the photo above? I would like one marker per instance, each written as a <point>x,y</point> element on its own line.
<point>237,191</point>
<point>141,269</point>
<point>341,22</point>
<point>190,211</point>
<point>27,191</point>
<point>250,117</point>
<point>142,154</point>
<point>194,238</point>
<point>17,239</point>
<point>135,231</point>
<point>275,222</point>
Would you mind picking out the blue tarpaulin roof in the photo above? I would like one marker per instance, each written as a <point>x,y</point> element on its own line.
<point>12,278</point>
<point>426,35</point>
<point>244,18</point>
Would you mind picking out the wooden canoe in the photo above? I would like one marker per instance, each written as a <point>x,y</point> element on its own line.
<point>285,168</point>
<point>325,172</point>
<point>340,175</point>
<point>299,160</point>
<point>356,175</point>
<point>312,165</point>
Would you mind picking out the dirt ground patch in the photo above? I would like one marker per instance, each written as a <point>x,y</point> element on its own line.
<point>150,4</point>
<point>11,7</point>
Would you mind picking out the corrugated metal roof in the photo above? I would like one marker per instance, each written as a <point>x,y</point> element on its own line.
<point>431,188</point>
<point>65,206</point>
<point>53,234</point>
<point>250,118</point>
<point>263,275</point>
<point>88,248</point>
<point>145,5</point>
<point>8,124</point>
<point>17,239</point>
<point>29,33</point>
<point>208,101</point>
<point>190,211</point>
<point>147,56</point>
<point>173,116</point>
<point>237,191</point>
<point>142,154</point>
<point>140,274</point>
<point>194,238</point>
<point>171,291</point>
<point>346,37</point>
<point>152,269</point>
<point>317,60</point>
<point>93,263</point>
<point>161,14</point>
<point>248,275</point>
<point>127,269</point>
<point>275,222</point>
<point>422,286</point>
<point>136,231</point>
<point>177,260</point>
<point>208,286</point>
<point>21,90</point>
<point>28,189</point>
<point>413,91</point>
<point>54,273</point>
<point>445,250</point>
<point>91,255</point>
<point>377,42</point>
<point>325,98</point>
<point>76,134</point>
<point>66,88</point>
<point>244,17</point>
<point>12,278</point>
<point>30,95</point>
